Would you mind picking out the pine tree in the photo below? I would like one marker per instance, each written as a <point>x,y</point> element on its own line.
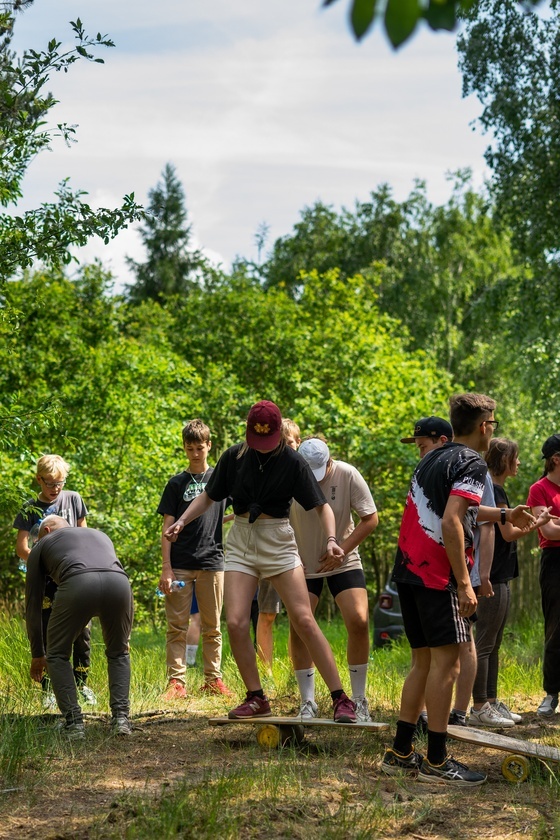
<point>171,267</point>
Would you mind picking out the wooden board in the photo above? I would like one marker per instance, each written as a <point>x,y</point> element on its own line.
<point>298,721</point>
<point>496,741</point>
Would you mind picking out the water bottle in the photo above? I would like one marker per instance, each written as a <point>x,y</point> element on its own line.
<point>176,586</point>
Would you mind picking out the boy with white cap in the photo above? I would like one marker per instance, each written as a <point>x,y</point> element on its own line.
<point>346,491</point>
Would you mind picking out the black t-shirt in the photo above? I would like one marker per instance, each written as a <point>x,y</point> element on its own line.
<point>504,565</point>
<point>199,545</point>
<point>264,483</point>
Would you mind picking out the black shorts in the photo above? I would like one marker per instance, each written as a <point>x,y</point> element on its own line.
<point>431,616</point>
<point>352,579</point>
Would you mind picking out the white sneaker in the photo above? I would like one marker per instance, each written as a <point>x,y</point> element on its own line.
<point>362,710</point>
<point>505,711</point>
<point>87,695</point>
<point>548,705</point>
<point>489,716</point>
<point>308,710</point>
<point>48,702</point>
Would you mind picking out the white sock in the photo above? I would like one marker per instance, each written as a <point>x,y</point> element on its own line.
<point>192,650</point>
<point>306,682</point>
<point>358,679</point>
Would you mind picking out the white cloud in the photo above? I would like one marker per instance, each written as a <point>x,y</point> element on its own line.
<point>262,106</point>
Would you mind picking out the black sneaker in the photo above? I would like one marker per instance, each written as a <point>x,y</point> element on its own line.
<point>394,763</point>
<point>455,719</point>
<point>451,772</point>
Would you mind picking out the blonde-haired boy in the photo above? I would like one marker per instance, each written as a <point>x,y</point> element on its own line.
<point>51,475</point>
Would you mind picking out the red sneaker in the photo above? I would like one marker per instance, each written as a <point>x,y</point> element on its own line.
<point>344,710</point>
<point>252,706</point>
<point>216,687</point>
<point>175,691</point>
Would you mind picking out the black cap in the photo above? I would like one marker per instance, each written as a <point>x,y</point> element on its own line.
<point>551,446</point>
<point>432,427</point>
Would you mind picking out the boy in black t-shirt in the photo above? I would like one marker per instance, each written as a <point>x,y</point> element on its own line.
<point>197,555</point>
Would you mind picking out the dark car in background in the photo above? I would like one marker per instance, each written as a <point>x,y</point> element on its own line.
<point>387,618</point>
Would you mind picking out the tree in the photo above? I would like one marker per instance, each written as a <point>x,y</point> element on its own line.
<point>510,58</point>
<point>402,17</point>
<point>171,267</point>
<point>49,232</point>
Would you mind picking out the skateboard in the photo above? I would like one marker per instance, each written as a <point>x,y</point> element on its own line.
<point>515,766</point>
<point>281,731</point>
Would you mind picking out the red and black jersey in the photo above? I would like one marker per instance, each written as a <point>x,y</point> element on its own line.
<point>421,558</point>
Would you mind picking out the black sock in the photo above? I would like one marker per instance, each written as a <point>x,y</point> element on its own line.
<point>403,737</point>
<point>258,693</point>
<point>336,694</point>
<point>437,750</point>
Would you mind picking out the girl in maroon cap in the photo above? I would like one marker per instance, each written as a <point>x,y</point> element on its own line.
<point>262,476</point>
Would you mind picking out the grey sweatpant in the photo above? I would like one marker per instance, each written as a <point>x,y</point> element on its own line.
<point>108,596</point>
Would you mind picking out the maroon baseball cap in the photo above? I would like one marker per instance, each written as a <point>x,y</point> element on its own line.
<point>264,426</point>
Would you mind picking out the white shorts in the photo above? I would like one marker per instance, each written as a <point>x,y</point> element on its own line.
<point>263,548</point>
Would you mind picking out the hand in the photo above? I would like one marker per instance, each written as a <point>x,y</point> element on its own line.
<point>522,517</point>
<point>485,589</point>
<point>546,516</point>
<point>333,558</point>
<point>467,600</point>
<point>38,668</point>
<point>164,584</point>
<point>173,531</point>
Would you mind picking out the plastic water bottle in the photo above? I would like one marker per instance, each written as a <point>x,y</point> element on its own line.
<point>176,586</point>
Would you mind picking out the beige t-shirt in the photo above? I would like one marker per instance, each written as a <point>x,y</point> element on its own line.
<point>345,491</point>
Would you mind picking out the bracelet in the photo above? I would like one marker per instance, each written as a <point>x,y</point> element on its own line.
<point>503,516</point>
<point>333,539</point>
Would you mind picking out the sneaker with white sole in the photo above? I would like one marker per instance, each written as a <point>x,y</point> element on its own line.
<point>344,709</point>
<point>505,711</point>
<point>489,716</point>
<point>87,695</point>
<point>362,709</point>
<point>394,763</point>
<point>71,731</point>
<point>308,710</point>
<point>451,772</point>
<point>252,706</point>
<point>548,705</point>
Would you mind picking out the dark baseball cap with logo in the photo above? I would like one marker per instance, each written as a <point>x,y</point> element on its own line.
<point>551,446</point>
<point>432,427</point>
<point>264,426</point>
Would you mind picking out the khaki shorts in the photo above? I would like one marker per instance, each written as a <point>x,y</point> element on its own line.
<point>263,548</point>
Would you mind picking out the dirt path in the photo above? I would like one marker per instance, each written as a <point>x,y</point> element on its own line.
<point>330,787</point>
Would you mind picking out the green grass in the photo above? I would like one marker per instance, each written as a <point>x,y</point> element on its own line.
<point>331,789</point>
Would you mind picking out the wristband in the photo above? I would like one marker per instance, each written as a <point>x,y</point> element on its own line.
<point>503,516</point>
<point>332,539</point>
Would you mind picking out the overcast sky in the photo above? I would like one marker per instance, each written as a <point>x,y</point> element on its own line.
<point>263,106</point>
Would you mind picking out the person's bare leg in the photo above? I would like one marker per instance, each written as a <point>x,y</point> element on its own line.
<point>292,589</point>
<point>353,605</point>
<point>466,677</point>
<point>239,591</point>
<point>414,686</point>
<point>443,672</point>
<point>300,656</point>
<point>265,641</point>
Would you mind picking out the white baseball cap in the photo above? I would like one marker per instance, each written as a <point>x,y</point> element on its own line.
<point>316,453</point>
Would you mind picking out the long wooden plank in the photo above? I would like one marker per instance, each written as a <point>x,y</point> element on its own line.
<point>297,721</point>
<point>496,741</point>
